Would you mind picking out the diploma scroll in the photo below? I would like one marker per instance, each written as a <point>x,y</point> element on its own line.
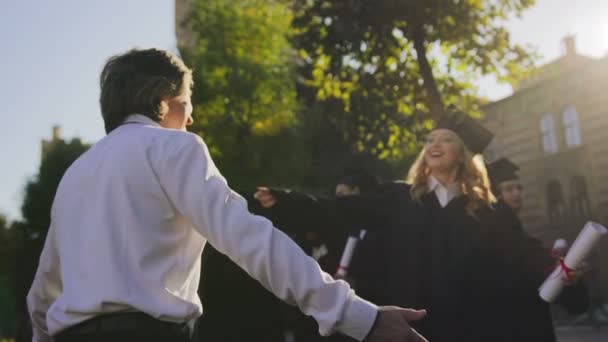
<point>586,240</point>
<point>347,256</point>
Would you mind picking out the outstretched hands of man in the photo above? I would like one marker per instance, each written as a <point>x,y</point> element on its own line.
<point>392,325</point>
<point>392,322</point>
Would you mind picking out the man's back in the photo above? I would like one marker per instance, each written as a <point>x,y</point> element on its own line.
<point>110,199</point>
<point>129,219</point>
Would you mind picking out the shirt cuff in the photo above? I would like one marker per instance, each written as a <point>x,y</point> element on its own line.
<point>358,318</point>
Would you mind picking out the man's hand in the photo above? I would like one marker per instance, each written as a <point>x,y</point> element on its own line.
<point>392,325</point>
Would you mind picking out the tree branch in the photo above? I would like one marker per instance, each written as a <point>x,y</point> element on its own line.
<point>433,97</point>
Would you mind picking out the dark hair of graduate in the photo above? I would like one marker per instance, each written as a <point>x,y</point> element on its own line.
<point>360,178</point>
<point>135,83</point>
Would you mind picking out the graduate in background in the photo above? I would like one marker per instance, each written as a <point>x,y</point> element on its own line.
<point>506,185</point>
<point>356,181</point>
<point>520,307</point>
<point>341,260</point>
<point>238,308</point>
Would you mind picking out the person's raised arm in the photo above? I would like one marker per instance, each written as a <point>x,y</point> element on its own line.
<point>347,214</point>
<point>200,193</point>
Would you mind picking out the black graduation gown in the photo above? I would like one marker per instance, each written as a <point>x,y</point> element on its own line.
<point>417,255</point>
<point>522,315</point>
<point>420,255</point>
<point>238,308</point>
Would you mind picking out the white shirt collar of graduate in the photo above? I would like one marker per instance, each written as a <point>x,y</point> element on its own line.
<point>140,119</point>
<point>444,193</point>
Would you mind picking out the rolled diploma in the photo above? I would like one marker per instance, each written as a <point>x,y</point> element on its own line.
<point>581,248</point>
<point>349,249</point>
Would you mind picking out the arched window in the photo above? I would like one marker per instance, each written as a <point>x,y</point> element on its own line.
<point>555,203</point>
<point>571,130</point>
<point>547,131</point>
<point>579,200</point>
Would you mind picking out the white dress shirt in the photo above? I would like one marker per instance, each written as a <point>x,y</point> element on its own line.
<point>444,193</point>
<point>128,225</point>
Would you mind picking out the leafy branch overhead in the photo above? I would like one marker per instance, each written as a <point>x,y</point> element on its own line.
<point>245,98</point>
<point>394,64</point>
<point>289,87</point>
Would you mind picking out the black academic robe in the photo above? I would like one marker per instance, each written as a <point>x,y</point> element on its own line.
<point>420,255</point>
<point>236,307</point>
<point>523,315</point>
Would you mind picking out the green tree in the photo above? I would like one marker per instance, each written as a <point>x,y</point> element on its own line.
<point>244,95</point>
<point>7,306</point>
<point>36,208</point>
<point>40,191</point>
<point>288,92</point>
<point>384,68</point>
<point>8,239</point>
<point>8,245</point>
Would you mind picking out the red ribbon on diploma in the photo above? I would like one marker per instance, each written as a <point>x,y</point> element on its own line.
<point>563,268</point>
<point>567,270</point>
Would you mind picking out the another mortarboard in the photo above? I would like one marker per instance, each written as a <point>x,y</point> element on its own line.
<point>475,137</point>
<point>502,170</point>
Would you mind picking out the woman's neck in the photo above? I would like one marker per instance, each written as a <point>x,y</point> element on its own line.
<point>445,178</point>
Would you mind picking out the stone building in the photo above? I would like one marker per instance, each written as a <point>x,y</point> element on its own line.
<point>555,127</point>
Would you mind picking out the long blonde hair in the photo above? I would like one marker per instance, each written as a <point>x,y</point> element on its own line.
<point>472,177</point>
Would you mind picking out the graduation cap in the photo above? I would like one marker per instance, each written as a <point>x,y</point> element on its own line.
<point>475,137</point>
<point>502,170</point>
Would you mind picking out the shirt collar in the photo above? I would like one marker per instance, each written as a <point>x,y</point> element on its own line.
<point>444,193</point>
<point>432,183</point>
<point>140,119</point>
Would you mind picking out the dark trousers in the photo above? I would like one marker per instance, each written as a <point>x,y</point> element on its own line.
<point>125,327</point>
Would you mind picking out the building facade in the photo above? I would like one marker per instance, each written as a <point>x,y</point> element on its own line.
<point>47,145</point>
<point>555,128</point>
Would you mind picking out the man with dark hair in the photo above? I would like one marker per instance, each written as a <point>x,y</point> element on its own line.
<point>135,83</point>
<point>131,216</point>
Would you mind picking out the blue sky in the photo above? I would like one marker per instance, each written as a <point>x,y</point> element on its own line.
<point>54,50</point>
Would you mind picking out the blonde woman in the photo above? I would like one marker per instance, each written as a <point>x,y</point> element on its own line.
<point>438,244</point>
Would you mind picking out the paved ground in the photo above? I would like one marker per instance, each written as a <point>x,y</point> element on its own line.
<point>582,334</point>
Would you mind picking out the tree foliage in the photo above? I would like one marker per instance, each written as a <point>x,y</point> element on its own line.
<point>244,98</point>
<point>8,239</point>
<point>290,91</point>
<point>8,246</point>
<point>31,231</point>
<point>40,191</point>
<point>383,68</point>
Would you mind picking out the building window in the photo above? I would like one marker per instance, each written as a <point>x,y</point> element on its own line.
<point>579,200</point>
<point>555,203</point>
<point>571,130</point>
<point>547,131</point>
